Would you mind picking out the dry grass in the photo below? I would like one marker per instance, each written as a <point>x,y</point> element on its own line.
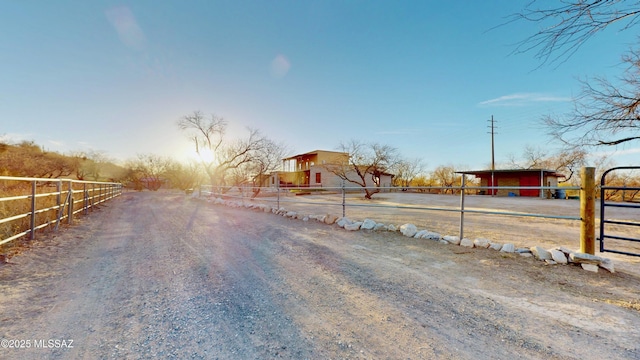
<point>12,188</point>
<point>633,304</point>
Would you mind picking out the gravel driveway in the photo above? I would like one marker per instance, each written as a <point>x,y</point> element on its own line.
<point>160,275</point>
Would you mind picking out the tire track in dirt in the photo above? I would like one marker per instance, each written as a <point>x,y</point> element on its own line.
<point>161,275</point>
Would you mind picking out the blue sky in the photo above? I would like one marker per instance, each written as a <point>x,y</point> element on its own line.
<point>423,76</point>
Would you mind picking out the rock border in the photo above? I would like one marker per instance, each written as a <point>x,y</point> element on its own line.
<point>555,256</point>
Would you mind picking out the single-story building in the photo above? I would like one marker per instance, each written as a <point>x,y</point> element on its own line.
<point>311,170</point>
<point>517,178</point>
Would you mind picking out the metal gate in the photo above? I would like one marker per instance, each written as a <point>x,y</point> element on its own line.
<point>604,203</point>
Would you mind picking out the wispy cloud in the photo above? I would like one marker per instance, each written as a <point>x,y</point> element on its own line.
<point>56,143</point>
<point>523,99</point>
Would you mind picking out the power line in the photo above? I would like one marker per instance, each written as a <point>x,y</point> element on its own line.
<point>493,132</point>
<point>493,157</point>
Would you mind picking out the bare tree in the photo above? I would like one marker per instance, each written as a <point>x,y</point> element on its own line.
<point>236,159</point>
<point>148,171</point>
<point>184,176</point>
<point>406,170</point>
<point>565,161</point>
<point>566,26</point>
<point>367,163</point>
<point>89,164</point>
<point>605,113</point>
<point>268,159</point>
<point>446,176</point>
<point>96,165</point>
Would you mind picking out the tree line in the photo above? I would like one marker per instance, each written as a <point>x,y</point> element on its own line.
<point>605,114</point>
<point>247,161</point>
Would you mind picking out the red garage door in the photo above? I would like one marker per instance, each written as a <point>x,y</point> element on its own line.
<point>529,180</point>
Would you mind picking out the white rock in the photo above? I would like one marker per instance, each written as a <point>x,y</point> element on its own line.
<point>392,227</point>
<point>540,253</point>
<point>442,241</point>
<point>590,267</point>
<point>607,264</point>
<point>508,248</point>
<point>408,230</point>
<point>419,234</point>
<point>466,242</point>
<point>380,227</point>
<point>481,243</point>
<point>353,226</point>
<point>343,221</point>
<point>550,262</point>
<point>526,254</point>
<point>495,246</point>
<point>451,239</point>
<point>430,235</point>
<point>566,251</point>
<point>291,214</point>
<point>582,258</point>
<point>368,224</point>
<point>306,218</point>
<point>558,256</point>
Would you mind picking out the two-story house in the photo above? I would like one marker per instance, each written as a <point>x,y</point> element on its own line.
<point>311,170</point>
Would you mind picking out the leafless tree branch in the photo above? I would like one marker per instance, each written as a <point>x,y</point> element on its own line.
<point>566,27</point>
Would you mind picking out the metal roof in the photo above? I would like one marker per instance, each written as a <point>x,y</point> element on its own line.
<point>506,171</point>
<point>314,152</point>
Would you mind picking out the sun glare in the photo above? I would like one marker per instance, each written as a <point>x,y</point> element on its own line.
<point>205,155</point>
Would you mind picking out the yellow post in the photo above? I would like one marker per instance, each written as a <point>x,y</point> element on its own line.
<point>587,210</point>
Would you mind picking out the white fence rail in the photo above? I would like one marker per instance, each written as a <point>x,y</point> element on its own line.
<point>46,202</point>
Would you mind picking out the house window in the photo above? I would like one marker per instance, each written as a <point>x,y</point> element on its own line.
<point>318,178</point>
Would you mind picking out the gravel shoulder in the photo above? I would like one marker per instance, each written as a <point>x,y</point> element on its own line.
<point>163,275</point>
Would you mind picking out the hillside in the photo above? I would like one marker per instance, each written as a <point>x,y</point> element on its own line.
<point>27,159</point>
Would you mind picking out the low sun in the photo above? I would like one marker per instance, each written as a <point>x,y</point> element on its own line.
<point>205,155</point>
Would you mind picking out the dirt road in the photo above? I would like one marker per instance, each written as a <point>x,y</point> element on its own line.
<point>161,275</point>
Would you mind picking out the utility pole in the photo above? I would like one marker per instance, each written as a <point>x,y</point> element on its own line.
<point>493,158</point>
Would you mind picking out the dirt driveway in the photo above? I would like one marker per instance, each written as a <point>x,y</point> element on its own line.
<point>162,275</point>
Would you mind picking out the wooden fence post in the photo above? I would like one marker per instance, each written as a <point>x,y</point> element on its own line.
<point>587,210</point>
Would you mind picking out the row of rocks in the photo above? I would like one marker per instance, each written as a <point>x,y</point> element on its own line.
<point>558,255</point>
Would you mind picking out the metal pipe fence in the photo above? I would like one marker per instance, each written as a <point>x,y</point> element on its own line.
<point>31,204</point>
<point>280,196</point>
